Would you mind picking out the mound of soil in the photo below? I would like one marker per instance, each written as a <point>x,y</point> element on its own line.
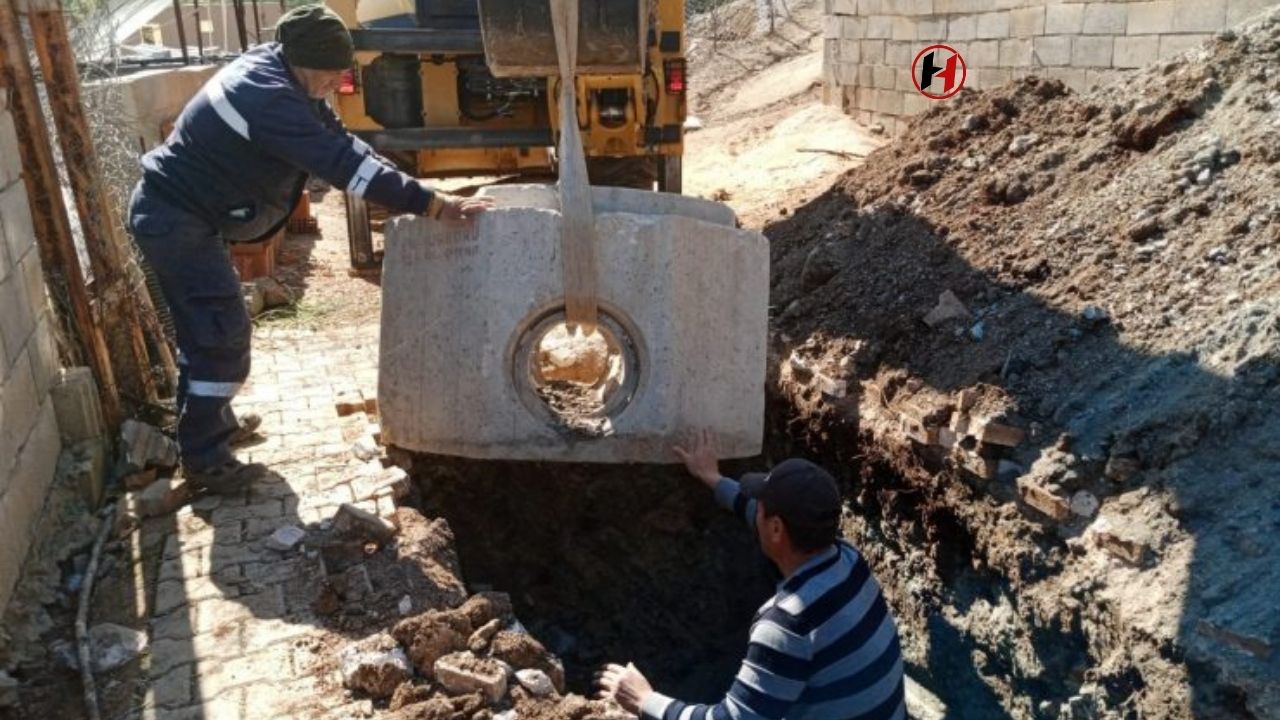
<point>1113,273</point>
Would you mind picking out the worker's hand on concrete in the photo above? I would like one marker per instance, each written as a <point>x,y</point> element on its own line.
<point>625,685</point>
<point>701,456</point>
<point>454,207</point>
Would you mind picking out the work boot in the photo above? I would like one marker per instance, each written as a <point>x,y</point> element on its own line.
<point>226,478</point>
<point>248,429</point>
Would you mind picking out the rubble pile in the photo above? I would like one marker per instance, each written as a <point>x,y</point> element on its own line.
<point>1041,332</point>
<point>464,657</point>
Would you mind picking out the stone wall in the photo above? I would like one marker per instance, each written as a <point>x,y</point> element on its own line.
<point>870,44</point>
<point>29,438</point>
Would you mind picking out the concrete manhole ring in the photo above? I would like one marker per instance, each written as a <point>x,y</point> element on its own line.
<point>616,387</point>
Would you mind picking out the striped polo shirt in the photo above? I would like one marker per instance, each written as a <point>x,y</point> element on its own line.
<point>824,647</point>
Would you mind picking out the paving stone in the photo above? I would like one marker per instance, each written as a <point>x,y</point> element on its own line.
<point>173,689</point>
<point>215,613</point>
<point>274,662</point>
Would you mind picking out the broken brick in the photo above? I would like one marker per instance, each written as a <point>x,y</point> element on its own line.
<point>353,522</point>
<point>967,399</point>
<point>984,467</point>
<point>349,403</point>
<point>162,497</point>
<point>371,406</point>
<point>997,433</point>
<point>463,673</point>
<point>1045,501</point>
<point>1133,552</point>
<point>959,424</point>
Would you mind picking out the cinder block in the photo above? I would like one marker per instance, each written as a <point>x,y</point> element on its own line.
<point>907,7</point>
<point>985,53</point>
<point>886,77</point>
<point>1015,53</point>
<point>904,28</point>
<point>19,406</point>
<point>913,103</point>
<point>1092,51</point>
<point>847,73</point>
<point>1105,19</point>
<point>948,7</point>
<point>1026,22</point>
<point>832,27</point>
<point>33,282</point>
<point>1133,52</point>
<point>853,28</point>
<point>16,319</point>
<point>1239,11</point>
<point>879,27</point>
<point>1199,15</point>
<point>1066,19</point>
<point>963,27</point>
<point>77,406</point>
<point>10,159</point>
<point>872,51</point>
<point>870,7</point>
<point>888,102</point>
<point>992,77</point>
<point>1173,45</point>
<point>900,53</point>
<point>850,51</point>
<point>1051,50</point>
<point>993,25</point>
<point>28,484</point>
<point>43,351</point>
<point>844,7</point>
<point>867,77</point>
<point>1150,18</point>
<point>931,30</point>
<point>1073,78</point>
<point>15,215</point>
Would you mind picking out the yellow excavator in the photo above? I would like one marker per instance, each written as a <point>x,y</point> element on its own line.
<point>455,88</point>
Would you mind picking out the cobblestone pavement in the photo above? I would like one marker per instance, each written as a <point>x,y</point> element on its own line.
<point>231,629</point>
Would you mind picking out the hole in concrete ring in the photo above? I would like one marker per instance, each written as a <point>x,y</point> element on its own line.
<point>575,380</point>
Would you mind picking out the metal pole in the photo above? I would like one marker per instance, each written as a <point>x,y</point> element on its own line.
<point>238,6</point>
<point>182,30</point>
<point>199,31</point>
<point>48,210</point>
<point>257,23</point>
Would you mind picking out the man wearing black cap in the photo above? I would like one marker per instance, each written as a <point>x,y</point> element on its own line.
<point>825,646</point>
<point>232,170</point>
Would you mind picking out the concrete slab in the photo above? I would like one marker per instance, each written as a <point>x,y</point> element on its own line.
<point>692,294</point>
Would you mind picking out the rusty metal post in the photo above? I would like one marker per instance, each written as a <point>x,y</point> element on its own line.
<point>238,6</point>
<point>48,211</point>
<point>199,32</point>
<point>182,30</point>
<point>121,302</point>
<point>257,23</point>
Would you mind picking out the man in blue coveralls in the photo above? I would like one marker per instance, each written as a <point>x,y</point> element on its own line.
<point>233,168</point>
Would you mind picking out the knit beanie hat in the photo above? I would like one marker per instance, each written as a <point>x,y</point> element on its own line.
<point>314,37</point>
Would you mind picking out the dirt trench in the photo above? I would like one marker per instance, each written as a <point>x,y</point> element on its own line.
<point>636,563</point>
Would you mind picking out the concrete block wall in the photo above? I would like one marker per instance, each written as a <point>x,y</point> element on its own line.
<point>869,44</point>
<point>29,438</point>
<point>151,99</point>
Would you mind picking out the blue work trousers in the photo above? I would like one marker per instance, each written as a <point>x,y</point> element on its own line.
<point>200,285</point>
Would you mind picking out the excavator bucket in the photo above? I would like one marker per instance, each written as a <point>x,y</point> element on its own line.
<point>519,40</point>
